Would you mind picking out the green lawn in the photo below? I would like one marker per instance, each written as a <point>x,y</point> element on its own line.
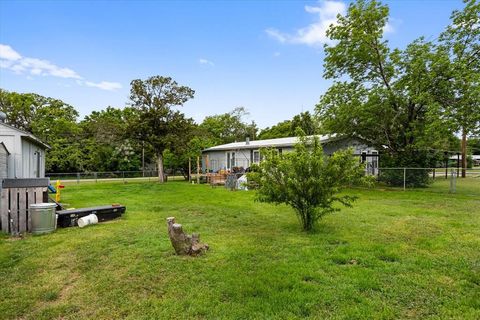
<point>413,254</point>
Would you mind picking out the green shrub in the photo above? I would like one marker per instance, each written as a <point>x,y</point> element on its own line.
<point>306,179</point>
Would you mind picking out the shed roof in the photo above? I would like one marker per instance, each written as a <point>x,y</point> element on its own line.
<point>278,143</point>
<point>27,135</point>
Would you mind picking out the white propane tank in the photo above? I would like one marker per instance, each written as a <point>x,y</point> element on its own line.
<point>85,221</point>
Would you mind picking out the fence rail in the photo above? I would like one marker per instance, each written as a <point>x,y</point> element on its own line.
<point>78,177</point>
<point>447,180</point>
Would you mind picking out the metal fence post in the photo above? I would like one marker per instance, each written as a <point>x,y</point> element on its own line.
<point>78,177</point>
<point>96,177</point>
<point>453,181</point>
<point>404,178</point>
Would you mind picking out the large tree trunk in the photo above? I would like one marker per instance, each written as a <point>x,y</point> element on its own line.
<point>464,153</point>
<point>161,176</point>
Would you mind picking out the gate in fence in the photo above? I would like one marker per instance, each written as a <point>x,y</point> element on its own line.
<point>16,197</point>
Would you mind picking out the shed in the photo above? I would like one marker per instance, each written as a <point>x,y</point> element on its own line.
<point>22,155</point>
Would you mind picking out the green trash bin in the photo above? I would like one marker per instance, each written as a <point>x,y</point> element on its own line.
<point>44,218</point>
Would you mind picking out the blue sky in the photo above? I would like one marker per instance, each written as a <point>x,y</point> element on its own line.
<point>264,55</point>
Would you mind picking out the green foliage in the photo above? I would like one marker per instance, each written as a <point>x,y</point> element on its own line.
<point>392,98</point>
<point>474,145</point>
<point>52,121</point>
<point>107,144</point>
<point>377,102</point>
<point>304,121</point>
<point>306,179</point>
<point>156,123</point>
<point>280,130</point>
<point>460,83</point>
<point>460,44</point>
<point>412,159</point>
<point>229,127</point>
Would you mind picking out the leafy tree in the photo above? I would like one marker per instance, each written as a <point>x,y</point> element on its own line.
<point>306,122</point>
<point>280,130</point>
<point>107,144</point>
<point>460,98</point>
<point>306,179</point>
<point>230,127</point>
<point>52,121</point>
<point>474,145</point>
<point>379,94</point>
<point>20,108</point>
<point>189,148</point>
<point>157,123</point>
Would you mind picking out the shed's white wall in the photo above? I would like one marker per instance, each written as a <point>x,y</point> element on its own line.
<point>13,142</point>
<point>32,167</point>
<point>3,162</point>
<point>20,160</point>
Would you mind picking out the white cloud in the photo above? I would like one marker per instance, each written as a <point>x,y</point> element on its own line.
<point>277,35</point>
<point>46,68</point>
<point>390,25</point>
<point>388,28</point>
<point>12,60</point>
<point>7,53</point>
<point>315,34</point>
<point>205,62</point>
<point>104,85</point>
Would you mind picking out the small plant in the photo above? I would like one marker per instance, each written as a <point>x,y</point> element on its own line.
<point>306,179</point>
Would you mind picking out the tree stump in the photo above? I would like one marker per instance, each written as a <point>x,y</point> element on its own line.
<point>184,244</point>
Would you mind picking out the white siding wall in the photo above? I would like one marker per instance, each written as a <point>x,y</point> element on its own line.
<point>21,163</point>
<point>33,160</point>
<point>13,144</point>
<point>3,162</point>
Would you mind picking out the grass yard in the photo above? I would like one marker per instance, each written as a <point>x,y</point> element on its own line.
<point>396,254</point>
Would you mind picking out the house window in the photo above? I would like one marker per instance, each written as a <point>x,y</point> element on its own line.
<point>256,156</point>
<point>375,160</point>
<point>230,160</point>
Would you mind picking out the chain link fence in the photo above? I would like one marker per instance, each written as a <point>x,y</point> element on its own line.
<point>147,175</point>
<point>441,180</point>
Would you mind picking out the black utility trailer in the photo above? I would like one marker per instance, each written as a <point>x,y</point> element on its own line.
<point>68,218</point>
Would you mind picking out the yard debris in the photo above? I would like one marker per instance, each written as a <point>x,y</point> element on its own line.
<point>184,244</point>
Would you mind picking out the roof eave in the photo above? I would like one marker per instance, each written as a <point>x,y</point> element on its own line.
<point>37,141</point>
